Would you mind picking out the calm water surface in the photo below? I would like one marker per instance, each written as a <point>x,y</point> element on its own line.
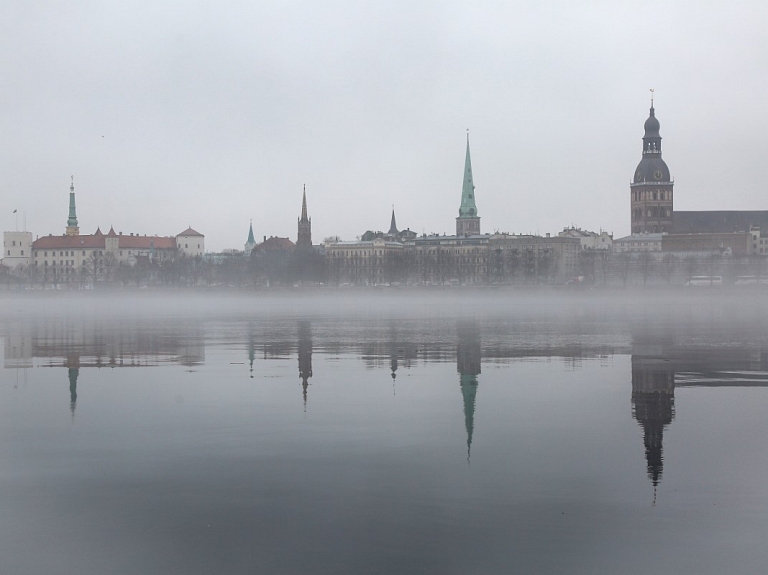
<point>385,436</point>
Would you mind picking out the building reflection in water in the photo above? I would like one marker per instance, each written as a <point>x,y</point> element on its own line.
<point>74,372</point>
<point>251,349</point>
<point>653,402</point>
<point>88,344</point>
<point>468,359</point>
<point>304,353</point>
<point>659,366</point>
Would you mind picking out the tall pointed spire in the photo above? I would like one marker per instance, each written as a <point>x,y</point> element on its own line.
<point>72,229</point>
<point>467,223</point>
<point>304,219</point>
<point>393,224</point>
<point>304,238</point>
<point>251,242</point>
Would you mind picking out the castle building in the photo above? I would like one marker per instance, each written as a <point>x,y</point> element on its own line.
<point>73,257</point>
<point>468,222</point>
<point>304,236</point>
<point>651,189</point>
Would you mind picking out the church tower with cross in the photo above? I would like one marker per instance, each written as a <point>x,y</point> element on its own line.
<point>651,187</point>
<point>468,222</point>
<point>304,238</point>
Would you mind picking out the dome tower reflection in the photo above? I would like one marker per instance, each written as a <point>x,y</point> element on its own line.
<point>653,401</point>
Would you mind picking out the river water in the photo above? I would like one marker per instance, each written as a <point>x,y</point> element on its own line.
<point>384,434</point>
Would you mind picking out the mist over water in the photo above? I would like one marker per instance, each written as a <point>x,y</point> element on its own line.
<point>464,431</point>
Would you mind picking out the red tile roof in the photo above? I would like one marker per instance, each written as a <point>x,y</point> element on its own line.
<point>275,243</point>
<point>98,240</point>
<point>147,242</point>
<point>68,242</point>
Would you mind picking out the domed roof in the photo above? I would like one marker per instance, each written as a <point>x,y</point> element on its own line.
<point>652,169</point>
<point>652,125</point>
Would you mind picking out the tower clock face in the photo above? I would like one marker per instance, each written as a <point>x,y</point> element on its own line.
<point>657,175</point>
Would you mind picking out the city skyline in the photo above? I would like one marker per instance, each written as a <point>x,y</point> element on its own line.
<point>170,118</point>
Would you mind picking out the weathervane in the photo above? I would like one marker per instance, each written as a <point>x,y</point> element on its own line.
<point>652,97</point>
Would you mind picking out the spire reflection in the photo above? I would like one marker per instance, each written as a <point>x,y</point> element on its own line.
<point>74,373</point>
<point>468,359</point>
<point>305,356</point>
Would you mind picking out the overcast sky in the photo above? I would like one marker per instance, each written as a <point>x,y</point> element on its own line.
<point>172,114</point>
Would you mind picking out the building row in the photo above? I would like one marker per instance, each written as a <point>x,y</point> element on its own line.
<point>466,257</point>
<point>68,257</point>
<point>657,227</point>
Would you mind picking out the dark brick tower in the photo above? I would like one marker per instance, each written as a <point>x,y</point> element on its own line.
<point>651,188</point>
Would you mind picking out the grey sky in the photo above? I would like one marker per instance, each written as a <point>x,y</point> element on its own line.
<point>172,114</point>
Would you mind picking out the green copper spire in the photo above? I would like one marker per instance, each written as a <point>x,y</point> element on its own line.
<point>72,221</point>
<point>251,239</point>
<point>468,208</point>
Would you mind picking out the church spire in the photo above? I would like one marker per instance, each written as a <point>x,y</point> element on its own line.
<point>304,237</point>
<point>467,223</point>
<point>393,224</point>
<point>72,229</point>
<point>251,243</point>
<point>304,219</point>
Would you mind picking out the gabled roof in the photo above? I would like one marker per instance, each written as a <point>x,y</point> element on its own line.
<point>190,232</point>
<point>147,242</point>
<point>111,233</point>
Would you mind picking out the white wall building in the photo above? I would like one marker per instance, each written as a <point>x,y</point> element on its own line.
<point>191,243</point>
<point>17,249</point>
<point>589,240</point>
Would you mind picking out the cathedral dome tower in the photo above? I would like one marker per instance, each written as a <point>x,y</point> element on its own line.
<point>651,188</point>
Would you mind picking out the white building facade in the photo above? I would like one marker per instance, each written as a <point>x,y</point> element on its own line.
<point>17,249</point>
